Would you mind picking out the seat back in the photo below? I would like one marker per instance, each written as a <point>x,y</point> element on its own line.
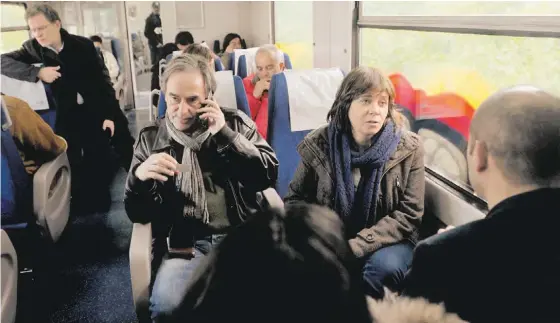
<point>51,195</point>
<point>287,61</point>
<point>30,92</point>
<point>49,116</point>
<point>229,94</point>
<point>48,190</point>
<point>16,183</point>
<point>298,102</point>
<point>9,273</point>
<point>247,69</point>
<point>218,65</point>
<point>247,65</point>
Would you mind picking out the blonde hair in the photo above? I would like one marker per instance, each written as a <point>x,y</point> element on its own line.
<point>410,310</point>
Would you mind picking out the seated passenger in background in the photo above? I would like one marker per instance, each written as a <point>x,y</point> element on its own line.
<point>36,141</point>
<point>231,43</point>
<point>269,61</point>
<point>278,267</point>
<point>108,58</point>
<point>182,40</point>
<point>202,51</point>
<point>195,174</point>
<point>504,267</point>
<point>370,170</point>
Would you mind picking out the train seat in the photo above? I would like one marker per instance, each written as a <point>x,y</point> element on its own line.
<point>16,183</point>
<point>247,64</point>
<point>49,116</point>
<point>225,92</point>
<point>9,268</point>
<point>299,101</point>
<point>237,54</point>
<point>218,65</point>
<point>140,256</point>
<point>48,189</point>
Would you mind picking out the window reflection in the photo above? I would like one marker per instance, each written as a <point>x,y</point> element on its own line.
<point>441,79</point>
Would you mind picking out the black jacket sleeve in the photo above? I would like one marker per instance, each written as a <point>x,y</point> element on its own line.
<point>253,162</point>
<point>18,65</point>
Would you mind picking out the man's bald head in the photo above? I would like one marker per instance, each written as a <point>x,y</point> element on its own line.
<point>520,127</point>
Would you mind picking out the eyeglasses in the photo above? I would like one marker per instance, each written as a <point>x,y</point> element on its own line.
<point>38,29</point>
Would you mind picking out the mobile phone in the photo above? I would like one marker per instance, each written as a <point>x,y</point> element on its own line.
<point>203,122</point>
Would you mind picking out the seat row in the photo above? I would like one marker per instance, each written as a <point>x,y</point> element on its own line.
<point>37,204</point>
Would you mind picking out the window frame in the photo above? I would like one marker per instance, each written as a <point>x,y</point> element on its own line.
<point>16,28</point>
<point>494,25</point>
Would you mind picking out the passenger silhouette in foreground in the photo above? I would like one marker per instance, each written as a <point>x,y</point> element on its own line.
<point>280,266</point>
<point>506,267</point>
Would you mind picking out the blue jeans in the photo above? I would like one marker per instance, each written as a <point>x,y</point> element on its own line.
<point>387,267</point>
<point>173,277</point>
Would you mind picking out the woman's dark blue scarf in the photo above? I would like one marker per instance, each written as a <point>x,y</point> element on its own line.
<point>357,208</point>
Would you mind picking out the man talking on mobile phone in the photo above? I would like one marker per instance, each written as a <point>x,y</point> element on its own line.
<point>195,175</point>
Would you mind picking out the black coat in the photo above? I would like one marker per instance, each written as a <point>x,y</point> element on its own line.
<point>238,159</point>
<point>82,71</point>
<point>152,22</point>
<point>504,268</point>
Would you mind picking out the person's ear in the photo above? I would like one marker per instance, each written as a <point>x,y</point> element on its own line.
<point>480,156</point>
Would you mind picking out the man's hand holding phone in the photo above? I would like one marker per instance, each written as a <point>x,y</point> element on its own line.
<point>211,112</point>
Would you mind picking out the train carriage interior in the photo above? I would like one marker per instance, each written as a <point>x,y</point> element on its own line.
<point>62,263</point>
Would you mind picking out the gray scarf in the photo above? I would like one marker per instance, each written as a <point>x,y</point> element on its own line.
<point>191,182</point>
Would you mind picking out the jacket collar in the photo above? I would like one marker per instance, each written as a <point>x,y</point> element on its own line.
<point>526,203</point>
<point>162,140</point>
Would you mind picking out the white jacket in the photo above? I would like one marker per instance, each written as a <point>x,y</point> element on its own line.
<point>111,64</point>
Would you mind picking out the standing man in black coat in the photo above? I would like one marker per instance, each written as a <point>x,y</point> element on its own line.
<point>153,32</point>
<point>84,96</point>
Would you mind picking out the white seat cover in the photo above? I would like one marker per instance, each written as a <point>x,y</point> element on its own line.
<point>249,57</point>
<point>225,90</point>
<point>311,95</point>
<point>32,93</point>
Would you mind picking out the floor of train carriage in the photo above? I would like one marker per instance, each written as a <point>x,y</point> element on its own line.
<point>88,278</point>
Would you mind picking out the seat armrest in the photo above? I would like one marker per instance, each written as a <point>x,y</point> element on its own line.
<point>9,272</point>
<point>153,108</point>
<point>51,195</point>
<point>140,255</point>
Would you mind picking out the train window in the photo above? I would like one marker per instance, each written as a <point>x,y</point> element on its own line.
<point>442,72</point>
<point>14,27</point>
<point>459,8</point>
<point>293,31</point>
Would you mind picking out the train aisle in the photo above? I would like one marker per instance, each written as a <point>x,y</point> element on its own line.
<point>90,279</point>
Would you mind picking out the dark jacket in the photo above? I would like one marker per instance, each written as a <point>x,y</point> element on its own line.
<point>152,22</point>
<point>239,160</point>
<point>401,194</point>
<point>504,268</point>
<point>278,267</point>
<point>82,71</point>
